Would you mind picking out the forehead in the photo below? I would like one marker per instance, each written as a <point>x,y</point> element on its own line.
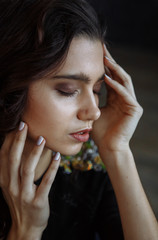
<point>84,55</point>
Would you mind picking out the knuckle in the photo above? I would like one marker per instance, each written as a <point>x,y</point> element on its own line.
<point>139,110</point>
<point>17,141</point>
<point>116,67</point>
<point>12,191</point>
<point>126,77</point>
<point>12,159</point>
<point>55,167</point>
<point>129,78</point>
<point>18,137</point>
<point>48,179</point>
<point>26,198</point>
<point>38,203</point>
<point>27,172</point>
<point>35,151</point>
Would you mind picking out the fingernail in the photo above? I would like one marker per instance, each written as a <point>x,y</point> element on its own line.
<point>40,140</point>
<point>57,156</point>
<point>21,126</point>
<point>107,77</point>
<point>109,59</point>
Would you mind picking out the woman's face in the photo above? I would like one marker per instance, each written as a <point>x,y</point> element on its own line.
<point>63,107</point>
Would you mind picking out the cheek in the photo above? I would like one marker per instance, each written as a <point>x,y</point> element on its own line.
<point>36,116</point>
<point>47,116</point>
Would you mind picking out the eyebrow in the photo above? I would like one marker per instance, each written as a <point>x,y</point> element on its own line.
<point>80,77</point>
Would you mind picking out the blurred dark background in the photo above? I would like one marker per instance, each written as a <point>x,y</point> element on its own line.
<point>131,22</point>
<point>132,38</point>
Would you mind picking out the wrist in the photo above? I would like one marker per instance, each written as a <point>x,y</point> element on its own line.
<point>121,169</point>
<point>25,234</point>
<point>116,158</point>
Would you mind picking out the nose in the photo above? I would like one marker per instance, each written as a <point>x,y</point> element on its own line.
<point>89,110</point>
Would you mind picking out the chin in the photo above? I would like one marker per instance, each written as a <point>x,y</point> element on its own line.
<point>73,149</point>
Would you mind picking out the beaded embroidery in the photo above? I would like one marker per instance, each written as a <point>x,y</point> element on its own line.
<point>87,159</point>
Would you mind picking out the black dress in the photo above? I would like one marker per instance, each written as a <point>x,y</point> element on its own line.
<point>82,207</point>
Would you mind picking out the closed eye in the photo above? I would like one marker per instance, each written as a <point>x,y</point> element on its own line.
<point>67,94</point>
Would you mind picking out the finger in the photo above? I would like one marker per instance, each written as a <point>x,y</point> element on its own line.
<point>28,168</point>
<point>15,156</point>
<point>120,75</point>
<point>107,54</point>
<point>107,71</point>
<point>117,70</point>
<point>121,91</point>
<point>48,179</point>
<point>7,159</point>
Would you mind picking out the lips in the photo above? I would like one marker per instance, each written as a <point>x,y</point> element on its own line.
<point>81,136</point>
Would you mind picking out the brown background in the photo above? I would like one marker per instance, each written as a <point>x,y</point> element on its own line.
<point>132,28</point>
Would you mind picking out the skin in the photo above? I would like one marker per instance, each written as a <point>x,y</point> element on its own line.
<point>112,131</point>
<point>47,107</point>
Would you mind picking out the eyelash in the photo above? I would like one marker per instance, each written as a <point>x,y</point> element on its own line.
<point>67,94</point>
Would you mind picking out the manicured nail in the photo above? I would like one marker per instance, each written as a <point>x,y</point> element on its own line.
<point>104,46</point>
<point>40,140</point>
<point>57,156</point>
<point>109,59</point>
<point>107,77</point>
<point>21,126</point>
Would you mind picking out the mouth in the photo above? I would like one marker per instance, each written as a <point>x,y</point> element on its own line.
<point>81,136</point>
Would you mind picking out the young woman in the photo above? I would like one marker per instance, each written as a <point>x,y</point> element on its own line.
<point>53,62</point>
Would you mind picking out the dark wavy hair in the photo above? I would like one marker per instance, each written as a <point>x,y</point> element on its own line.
<point>35,36</point>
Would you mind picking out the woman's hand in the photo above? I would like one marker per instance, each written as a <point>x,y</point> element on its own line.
<point>28,203</point>
<point>112,133</point>
<point>119,118</point>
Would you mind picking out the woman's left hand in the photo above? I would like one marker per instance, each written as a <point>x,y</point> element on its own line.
<point>119,118</point>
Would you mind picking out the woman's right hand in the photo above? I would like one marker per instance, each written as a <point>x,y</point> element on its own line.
<point>28,203</point>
